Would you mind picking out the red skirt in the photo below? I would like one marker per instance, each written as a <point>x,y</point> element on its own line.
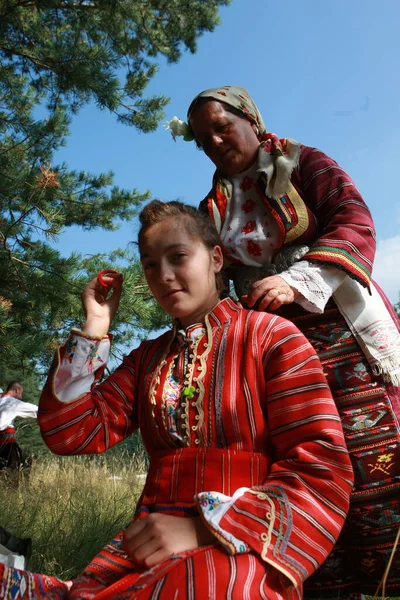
<point>202,573</point>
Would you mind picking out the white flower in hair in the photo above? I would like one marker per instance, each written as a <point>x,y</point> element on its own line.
<point>179,128</point>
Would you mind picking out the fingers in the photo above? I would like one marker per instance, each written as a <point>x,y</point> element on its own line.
<point>141,549</point>
<point>134,536</point>
<point>114,299</point>
<point>156,557</point>
<point>269,294</point>
<point>157,536</point>
<point>105,278</point>
<point>273,300</point>
<point>109,279</point>
<point>146,541</point>
<point>100,309</point>
<point>100,286</point>
<point>92,290</point>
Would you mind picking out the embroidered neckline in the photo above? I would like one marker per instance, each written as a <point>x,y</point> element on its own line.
<point>192,384</point>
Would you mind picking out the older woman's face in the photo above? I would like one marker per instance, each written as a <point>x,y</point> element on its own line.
<point>228,140</point>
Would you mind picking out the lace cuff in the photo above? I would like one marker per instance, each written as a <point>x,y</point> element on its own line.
<point>80,358</point>
<point>315,283</point>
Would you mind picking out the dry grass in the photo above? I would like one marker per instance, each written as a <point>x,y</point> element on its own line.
<point>70,508</point>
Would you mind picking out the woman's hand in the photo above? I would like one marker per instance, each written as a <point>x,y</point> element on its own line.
<point>270,292</point>
<point>100,310</point>
<point>156,537</point>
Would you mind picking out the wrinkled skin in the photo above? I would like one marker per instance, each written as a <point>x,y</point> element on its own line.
<point>231,143</point>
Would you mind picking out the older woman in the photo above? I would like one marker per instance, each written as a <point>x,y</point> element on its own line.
<point>298,238</point>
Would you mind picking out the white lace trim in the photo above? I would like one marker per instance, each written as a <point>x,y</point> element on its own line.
<point>315,283</point>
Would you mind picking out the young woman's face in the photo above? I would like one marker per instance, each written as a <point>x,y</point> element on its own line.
<point>180,270</point>
<point>228,140</point>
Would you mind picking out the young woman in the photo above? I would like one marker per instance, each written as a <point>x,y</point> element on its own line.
<point>297,236</point>
<point>249,477</point>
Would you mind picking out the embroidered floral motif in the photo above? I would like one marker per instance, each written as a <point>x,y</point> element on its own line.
<point>253,248</point>
<point>92,357</point>
<point>172,393</point>
<point>249,227</point>
<point>246,184</point>
<point>368,562</point>
<point>248,206</point>
<point>360,372</point>
<point>209,501</point>
<point>380,463</point>
<point>70,349</point>
<point>360,422</point>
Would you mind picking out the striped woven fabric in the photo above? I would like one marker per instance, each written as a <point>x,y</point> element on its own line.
<point>372,433</point>
<point>340,229</point>
<point>261,458</point>
<point>347,238</point>
<point>8,436</point>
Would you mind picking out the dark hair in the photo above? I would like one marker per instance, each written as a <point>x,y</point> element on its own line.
<point>197,224</point>
<point>203,100</point>
<point>14,386</point>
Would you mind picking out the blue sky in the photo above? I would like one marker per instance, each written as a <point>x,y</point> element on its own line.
<point>324,73</point>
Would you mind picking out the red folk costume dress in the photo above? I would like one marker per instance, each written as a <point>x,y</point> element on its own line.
<point>241,429</point>
<point>296,199</point>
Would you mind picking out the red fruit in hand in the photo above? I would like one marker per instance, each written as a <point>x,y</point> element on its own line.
<point>101,281</point>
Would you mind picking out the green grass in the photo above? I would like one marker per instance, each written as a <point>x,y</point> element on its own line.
<point>70,507</point>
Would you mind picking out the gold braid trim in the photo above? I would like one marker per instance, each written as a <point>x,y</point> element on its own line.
<point>198,404</point>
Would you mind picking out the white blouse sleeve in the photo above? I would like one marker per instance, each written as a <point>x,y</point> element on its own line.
<point>82,357</point>
<point>315,283</point>
<point>10,408</point>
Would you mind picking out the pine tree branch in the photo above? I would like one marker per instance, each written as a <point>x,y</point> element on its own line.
<point>15,145</point>
<point>16,221</point>
<point>24,243</point>
<point>33,59</point>
<point>49,271</point>
<point>82,5</point>
<point>19,4</point>
<point>38,228</point>
<point>57,56</point>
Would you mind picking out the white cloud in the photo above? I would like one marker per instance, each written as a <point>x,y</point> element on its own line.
<point>387,267</point>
